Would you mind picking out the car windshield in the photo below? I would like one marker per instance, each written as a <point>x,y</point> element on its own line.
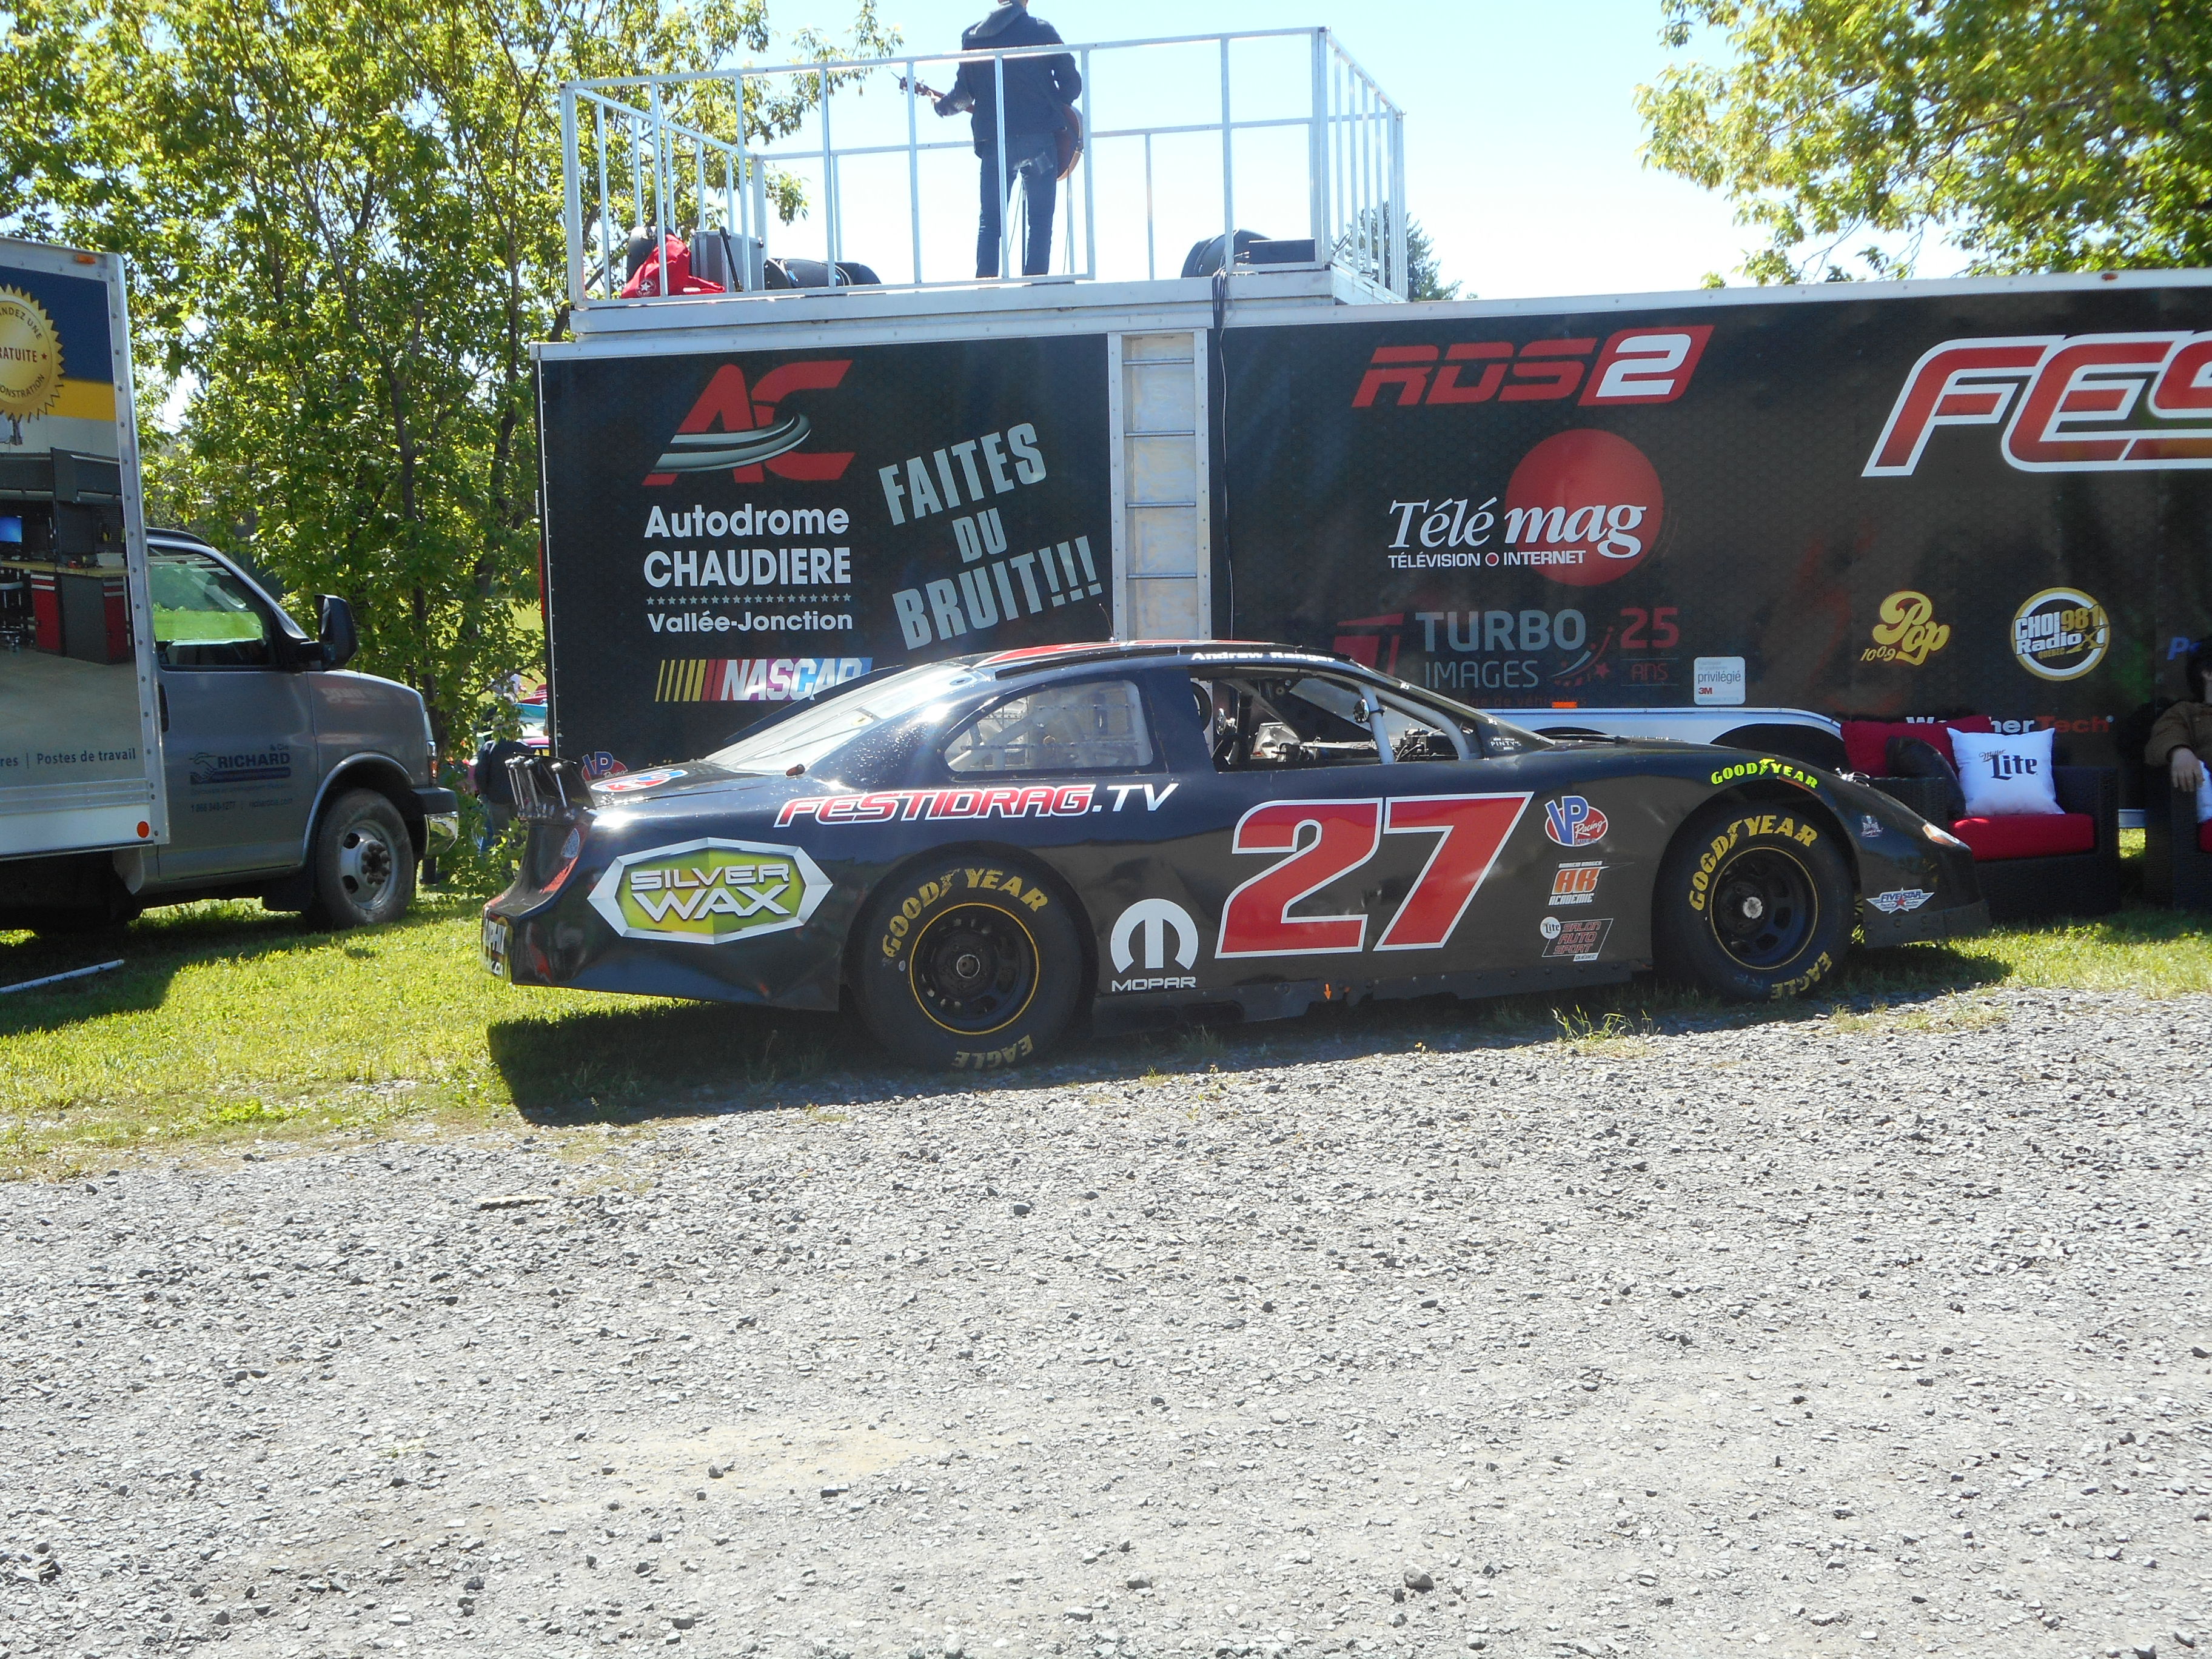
<point>810,734</point>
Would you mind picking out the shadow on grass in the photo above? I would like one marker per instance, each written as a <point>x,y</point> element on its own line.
<point>626,1065</point>
<point>631,1065</point>
<point>152,949</point>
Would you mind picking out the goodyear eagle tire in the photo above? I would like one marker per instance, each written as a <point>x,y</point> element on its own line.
<point>1754,902</point>
<point>969,963</point>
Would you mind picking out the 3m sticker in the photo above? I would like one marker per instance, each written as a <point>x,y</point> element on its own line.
<point>709,892</point>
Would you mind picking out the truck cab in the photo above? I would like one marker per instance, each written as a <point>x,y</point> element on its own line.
<point>289,778</point>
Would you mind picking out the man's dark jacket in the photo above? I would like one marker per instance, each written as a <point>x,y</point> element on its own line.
<point>1037,89</point>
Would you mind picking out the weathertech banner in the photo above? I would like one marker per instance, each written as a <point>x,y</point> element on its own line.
<point>727,534</point>
<point>1936,504</point>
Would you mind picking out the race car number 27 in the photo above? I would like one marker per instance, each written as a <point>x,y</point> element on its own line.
<point>1327,839</point>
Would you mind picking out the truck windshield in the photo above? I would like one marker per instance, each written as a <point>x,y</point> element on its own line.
<point>806,738</point>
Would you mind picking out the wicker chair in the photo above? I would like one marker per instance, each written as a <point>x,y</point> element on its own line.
<point>2176,849</point>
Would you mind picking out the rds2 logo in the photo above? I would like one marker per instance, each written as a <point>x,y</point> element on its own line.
<point>1570,821</point>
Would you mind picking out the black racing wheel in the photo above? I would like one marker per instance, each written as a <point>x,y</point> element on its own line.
<point>972,965</point>
<point>1753,902</point>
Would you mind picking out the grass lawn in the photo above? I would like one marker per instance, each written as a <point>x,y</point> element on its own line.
<point>228,1023</point>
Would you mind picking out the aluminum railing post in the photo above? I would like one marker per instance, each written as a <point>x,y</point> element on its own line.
<point>914,170</point>
<point>660,190</point>
<point>1090,194</point>
<point>1402,277</point>
<point>572,192</point>
<point>1228,171</point>
<point>999,81</point>
<point>831,205</point>
<point>1151,258</point>
<point>1317,145</point>
<point>608,290</point>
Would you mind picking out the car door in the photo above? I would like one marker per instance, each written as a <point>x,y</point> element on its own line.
<point>240,727</point>
<point>1359,830</point>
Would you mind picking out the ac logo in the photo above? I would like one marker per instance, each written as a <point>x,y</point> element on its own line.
<point>734,427</point>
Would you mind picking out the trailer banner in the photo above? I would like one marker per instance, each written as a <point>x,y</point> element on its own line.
<point>727,533</point>
<point>1989,500</point>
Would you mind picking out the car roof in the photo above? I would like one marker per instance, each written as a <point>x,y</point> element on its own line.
<point>1039,658</point>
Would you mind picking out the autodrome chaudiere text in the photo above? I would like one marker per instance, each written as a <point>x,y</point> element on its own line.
<point>690,577</point>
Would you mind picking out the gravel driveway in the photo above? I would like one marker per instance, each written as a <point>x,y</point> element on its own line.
<point>1829,1335</point>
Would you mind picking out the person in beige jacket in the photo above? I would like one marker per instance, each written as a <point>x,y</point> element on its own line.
<point>2181,740</point>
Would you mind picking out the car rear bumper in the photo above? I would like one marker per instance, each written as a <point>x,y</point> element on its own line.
<point>441,819</point>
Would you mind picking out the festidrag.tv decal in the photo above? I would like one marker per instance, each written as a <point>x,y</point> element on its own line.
<point>728,533</point>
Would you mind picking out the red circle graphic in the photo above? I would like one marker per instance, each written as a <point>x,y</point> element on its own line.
<point>1583,507</point>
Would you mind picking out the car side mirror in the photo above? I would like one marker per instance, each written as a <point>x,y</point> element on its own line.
<point>340,639</point>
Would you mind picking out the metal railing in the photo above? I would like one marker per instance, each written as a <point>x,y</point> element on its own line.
<point>671,153</point>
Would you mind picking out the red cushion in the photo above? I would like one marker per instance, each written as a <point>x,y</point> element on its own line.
<point>2029,835</point>
<point>1866,743</point>
<point>2204,835</point>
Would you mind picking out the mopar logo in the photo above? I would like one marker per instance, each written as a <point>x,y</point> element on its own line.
<point>1155,917</point>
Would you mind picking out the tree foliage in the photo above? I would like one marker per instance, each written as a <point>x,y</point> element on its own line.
<point>1423,274</point>
<point>2037,134</point>
<point>343,220</point>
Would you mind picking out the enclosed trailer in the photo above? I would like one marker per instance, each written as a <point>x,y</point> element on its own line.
<point>1733,515</point>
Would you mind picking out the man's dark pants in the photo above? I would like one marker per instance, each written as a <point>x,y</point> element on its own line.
<point>1033,164</point>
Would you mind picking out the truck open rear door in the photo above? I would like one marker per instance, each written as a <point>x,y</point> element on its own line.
<point>80,719</point>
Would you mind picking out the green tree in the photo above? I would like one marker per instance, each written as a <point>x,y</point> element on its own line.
<point>342,219</point>
<point>1423,275</point>
<point>2037,134</point>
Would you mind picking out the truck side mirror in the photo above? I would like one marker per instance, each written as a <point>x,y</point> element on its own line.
<point>341,639</point>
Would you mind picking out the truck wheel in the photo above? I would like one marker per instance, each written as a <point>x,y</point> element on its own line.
<point>363,863</point>
<point>1753,903</point>
<point>968,967</point>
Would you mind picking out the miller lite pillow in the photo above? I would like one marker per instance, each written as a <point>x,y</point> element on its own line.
<point>2005,776</point>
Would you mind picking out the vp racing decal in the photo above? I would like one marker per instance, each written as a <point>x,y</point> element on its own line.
<point>709,892</point>
<point>1570,821</point>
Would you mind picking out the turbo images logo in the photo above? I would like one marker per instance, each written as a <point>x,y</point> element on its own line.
<point>2060,633</point>
<point>1908,631</point>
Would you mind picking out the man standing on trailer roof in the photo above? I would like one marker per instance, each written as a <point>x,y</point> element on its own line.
<point>1039,91</point>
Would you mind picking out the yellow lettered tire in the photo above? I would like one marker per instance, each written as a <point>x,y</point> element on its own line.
<point>1753,902</point>
<point>969,963</point>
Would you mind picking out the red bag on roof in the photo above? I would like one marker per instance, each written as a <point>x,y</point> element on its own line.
<point>647,283</point>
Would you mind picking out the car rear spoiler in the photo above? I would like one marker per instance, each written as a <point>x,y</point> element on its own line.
<point>546,788</point>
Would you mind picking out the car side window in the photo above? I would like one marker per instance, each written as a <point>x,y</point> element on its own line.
<point>204,616</point>
<point>1302,721</point>
<point>1095,726</point>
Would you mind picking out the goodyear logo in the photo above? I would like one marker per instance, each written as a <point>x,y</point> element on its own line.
<point>709,892</point>
<point>1766,767</point>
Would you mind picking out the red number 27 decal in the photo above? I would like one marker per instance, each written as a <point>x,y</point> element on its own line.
<point>1327,839</point>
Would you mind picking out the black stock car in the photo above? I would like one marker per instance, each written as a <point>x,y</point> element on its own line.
<point>977,849</point>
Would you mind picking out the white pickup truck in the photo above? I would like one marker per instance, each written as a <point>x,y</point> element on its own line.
<point>168,731</point>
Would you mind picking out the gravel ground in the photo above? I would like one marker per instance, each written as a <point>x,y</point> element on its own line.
<point>1847,1334</point>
